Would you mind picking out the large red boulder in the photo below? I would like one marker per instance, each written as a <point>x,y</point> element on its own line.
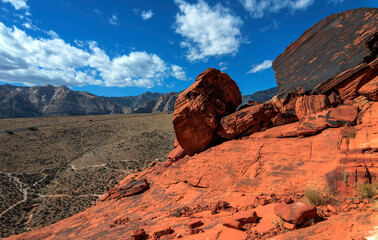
<point>200,107</point>
<point>296,213</point>
<point>241,121</point>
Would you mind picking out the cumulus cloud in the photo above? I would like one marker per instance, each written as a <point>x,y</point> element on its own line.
<point>147,14</point>
<point>261,67</point>
<point>207,31</point>
<point>259,8</point>
<point>17,4</point>
<point>113,20</point>
<point>32,61</point>
<point>178,73</point>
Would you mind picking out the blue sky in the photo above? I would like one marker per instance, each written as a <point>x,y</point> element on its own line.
<point>128,47</point>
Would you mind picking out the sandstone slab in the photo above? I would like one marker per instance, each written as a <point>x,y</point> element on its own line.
<point>241,121</point>
<point>334,44</point>
<point>296,213</point>
<point>132,188</point>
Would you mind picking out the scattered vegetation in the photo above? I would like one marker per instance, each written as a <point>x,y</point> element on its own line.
<point>32,128</point>
<point>10,132</point>
<point>367,190</point>
<point>361,101</point>
<point>279,224</point>
<point>349,132</point>
<point>315,195</point>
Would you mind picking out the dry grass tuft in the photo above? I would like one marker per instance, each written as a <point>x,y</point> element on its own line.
<point>367,190</point>
<point>315,195</point>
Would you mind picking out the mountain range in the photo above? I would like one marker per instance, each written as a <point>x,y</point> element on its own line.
<point>48,100</point>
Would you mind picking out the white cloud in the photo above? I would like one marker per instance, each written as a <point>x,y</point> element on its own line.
<point>114,19</point>
<point>261,67</point>
<point>29,60</point>
<point>223,66</point>
<point>17,4</point>
<point>207,31</point>
<point>178,73</point>
<point>52,34</point>
<point>274,25</point>
<point>259,8</point>
<point>147,14</point>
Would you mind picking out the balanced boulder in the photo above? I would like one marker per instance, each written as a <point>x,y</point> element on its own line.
<point>200,107</point>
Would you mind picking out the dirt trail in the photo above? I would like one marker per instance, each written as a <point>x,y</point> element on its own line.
<point>20,186</point>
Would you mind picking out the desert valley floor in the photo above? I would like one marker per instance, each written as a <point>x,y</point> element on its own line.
<point>54,167</point>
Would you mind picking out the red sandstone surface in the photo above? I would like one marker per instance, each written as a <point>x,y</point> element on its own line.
<point>247,171</point>
<point>262,166</point>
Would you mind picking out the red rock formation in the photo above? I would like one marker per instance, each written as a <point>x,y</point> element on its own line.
<point>193,184</point>
<point>310,104</point>
<point>241,121</point>
<point>370,90</point>
<point>199,109</point>
<point>339,42</point>
<point>233,188</point>
<point>349,82</point>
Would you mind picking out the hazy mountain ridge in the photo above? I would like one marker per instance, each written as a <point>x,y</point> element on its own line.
<point>48,100</point>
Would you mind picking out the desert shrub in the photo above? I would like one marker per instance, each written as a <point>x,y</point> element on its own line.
<point>10,132</point>
<point>278,224</point>
<point>32,128</point>
<point>367,190</point>
<point>315,195</point>
<point>349,132</point>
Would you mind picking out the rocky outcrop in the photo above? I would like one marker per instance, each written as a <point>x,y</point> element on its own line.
<point>370,90</point>
<point>238,172</point>
<point>249,120</point>
<point>165,103</point>
<point>338,43</point>
<point>199,109</point>
<point>310,104</point>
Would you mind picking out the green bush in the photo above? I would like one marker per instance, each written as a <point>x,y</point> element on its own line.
<point>32,128</point>
<point>10,132</point>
